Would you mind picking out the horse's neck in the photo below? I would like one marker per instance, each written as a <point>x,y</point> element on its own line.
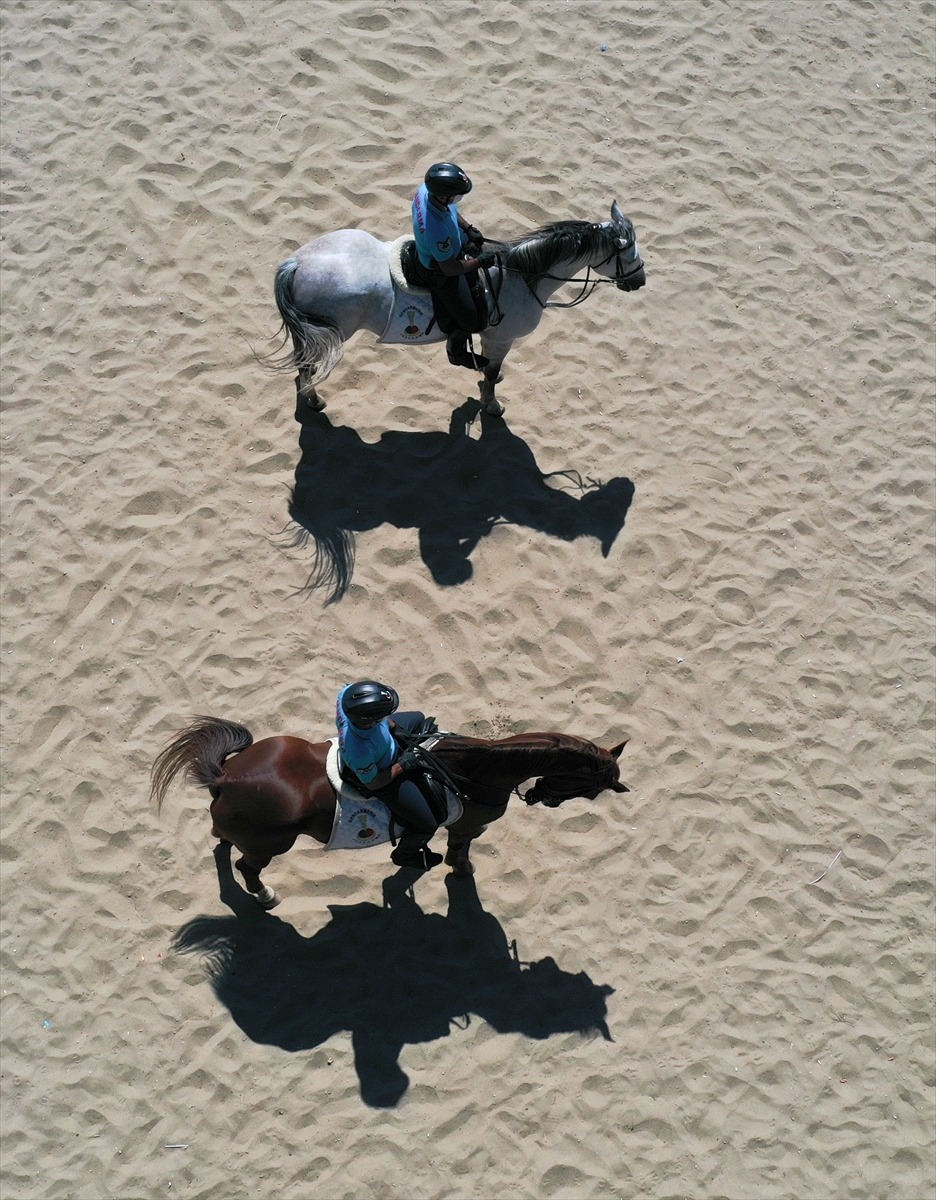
<point>558,274</point>
<point>514,758</point>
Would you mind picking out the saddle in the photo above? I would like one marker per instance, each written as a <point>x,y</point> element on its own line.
<point>364,820</point>
<point>433,780</point>
<point>418,276</point>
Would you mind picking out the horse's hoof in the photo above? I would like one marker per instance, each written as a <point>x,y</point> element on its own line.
<point>494,408</point>
<point>315,402</point>
<point>268,898</point>
<point>463,869</point>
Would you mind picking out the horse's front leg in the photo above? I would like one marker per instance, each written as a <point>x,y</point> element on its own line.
<point>461,833</point>
<point>495,352</point>
<point>456,856</point>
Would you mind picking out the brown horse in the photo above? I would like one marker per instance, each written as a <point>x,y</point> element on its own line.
<point>277,788</point>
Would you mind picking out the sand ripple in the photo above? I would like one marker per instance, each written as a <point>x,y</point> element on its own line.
<point>755,617</point>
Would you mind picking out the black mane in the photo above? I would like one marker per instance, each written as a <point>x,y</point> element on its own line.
<point>563,756</point>
<point>533,254</point>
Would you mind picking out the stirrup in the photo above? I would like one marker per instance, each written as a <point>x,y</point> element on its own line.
<point>463,357</point>
<point>420,857</point>
<point>476,362</point>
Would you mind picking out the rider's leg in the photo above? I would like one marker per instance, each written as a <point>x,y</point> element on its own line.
<point>460,354</point>
<point>460,318</point>
<point>411,806</point>
<point>408,804</point>
<point>408,722</point>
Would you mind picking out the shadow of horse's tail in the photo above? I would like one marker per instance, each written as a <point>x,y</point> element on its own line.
<point>333,556</point>
<point>214,938</point>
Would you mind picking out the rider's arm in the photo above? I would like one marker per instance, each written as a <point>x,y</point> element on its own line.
<point>382,778</point>
<point>457,266</point>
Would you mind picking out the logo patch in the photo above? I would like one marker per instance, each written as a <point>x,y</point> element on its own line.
<point>412,315</point>
<point>363,816</point>
<point>446,245</point>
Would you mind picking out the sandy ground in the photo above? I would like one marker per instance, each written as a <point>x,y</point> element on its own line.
<point>759,628</point>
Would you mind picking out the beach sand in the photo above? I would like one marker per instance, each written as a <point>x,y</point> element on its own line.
<point>759,628</point>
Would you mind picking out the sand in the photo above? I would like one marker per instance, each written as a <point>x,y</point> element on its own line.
<point>760,627</point>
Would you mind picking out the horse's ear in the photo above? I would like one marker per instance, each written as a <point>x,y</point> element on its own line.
<point>615,751</point>
<point>619,787</point>
<point>617,217</point>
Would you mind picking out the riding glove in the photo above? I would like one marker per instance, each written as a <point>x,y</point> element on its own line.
<point>408,762</point>
<point>487,260</point>
<point>473,234</point>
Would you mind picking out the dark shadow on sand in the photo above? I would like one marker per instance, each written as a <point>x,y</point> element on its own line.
<point>450,487</point>
<point>392,976</point>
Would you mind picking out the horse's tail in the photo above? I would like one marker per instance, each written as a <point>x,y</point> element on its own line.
<point>317,341</point>
<point>199,750</point>
<point>333,564</point>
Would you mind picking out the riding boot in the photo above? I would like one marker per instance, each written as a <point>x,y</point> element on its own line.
<point>413,851</point>
<point>460,356</point>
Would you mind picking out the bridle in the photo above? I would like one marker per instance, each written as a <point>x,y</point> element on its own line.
<point>544,793</point>
<point>622,273</point>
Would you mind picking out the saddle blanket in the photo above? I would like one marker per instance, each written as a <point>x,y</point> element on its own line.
<point>364,820</point>
<point>412,311</point>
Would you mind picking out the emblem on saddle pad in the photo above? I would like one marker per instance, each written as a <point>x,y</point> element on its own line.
<point>364,817</point>
<point>416,321</point>
<point>411,312</point>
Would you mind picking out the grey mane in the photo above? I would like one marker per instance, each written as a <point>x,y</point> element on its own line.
<point>534,253</point>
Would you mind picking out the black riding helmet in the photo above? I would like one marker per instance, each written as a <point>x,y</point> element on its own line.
<point>446,179</point>
<point>369,701</point>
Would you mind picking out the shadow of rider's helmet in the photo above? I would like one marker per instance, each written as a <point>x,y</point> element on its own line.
<point>445,179</point>
<point>367,702</point>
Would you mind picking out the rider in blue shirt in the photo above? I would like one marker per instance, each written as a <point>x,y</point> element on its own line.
<point>370,752</point>
<point>448,257</point>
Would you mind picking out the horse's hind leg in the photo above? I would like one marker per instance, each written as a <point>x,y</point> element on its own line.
<point>305,390</point>
<point>250,868</point>
<point>461,833</point>
<point>253,861</point>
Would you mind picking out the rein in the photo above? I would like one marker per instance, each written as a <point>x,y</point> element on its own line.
<point>588,283</point>
<point>540,792</point>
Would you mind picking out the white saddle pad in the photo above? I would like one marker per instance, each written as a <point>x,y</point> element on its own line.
<point>412,309</point>
<point>363,820</point>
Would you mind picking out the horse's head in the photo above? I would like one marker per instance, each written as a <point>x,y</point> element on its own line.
<point>624,264</point>
<point>587,781</point>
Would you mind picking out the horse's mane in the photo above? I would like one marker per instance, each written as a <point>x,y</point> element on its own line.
<point>534,758</point>
<point>534,253</point>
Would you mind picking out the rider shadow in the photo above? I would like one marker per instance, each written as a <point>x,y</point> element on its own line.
<point>451,487</point>
<point>392,976</point>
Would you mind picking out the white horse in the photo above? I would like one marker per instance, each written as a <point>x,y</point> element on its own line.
<point>348,280</point>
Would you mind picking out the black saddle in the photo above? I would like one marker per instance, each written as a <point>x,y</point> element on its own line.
<point>413,271</point>
<point>440,286</point>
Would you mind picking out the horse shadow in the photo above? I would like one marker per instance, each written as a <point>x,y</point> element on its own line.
<point>452,488</point>
<point>391,975</point>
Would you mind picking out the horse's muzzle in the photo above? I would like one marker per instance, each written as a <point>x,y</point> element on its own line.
<point>633,282</point>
